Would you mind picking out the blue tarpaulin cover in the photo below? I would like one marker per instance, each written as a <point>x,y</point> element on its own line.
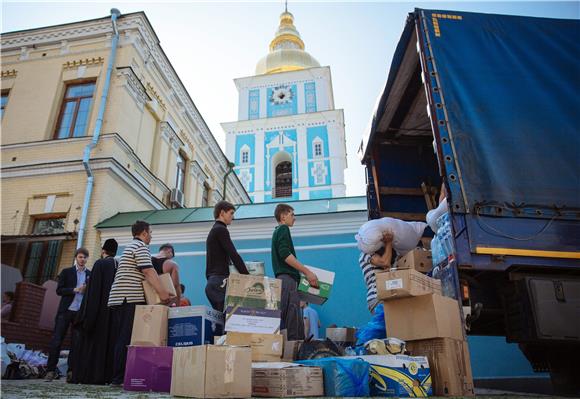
<point>511,87</point>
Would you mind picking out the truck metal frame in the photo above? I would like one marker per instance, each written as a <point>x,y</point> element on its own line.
<point>516,263</point>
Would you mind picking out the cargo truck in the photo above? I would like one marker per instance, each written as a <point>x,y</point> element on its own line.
<point>489,107</point>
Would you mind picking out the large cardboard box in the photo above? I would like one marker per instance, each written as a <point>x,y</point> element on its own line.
<point>450,365</point>
<point>148,369</point>
<point>399,375</point>
<point>423,317</point>
<point>253,292</point>
<point>150,325</point>
<point>194,325</point>
<point>405,283</point>
<point>341,335</point>
<point>418,259</point>
<point>286,380</point>
<point>316,295</point>
<point>265,347</point>
<point>255,268</point>
<point>209,371</point>
<point>253,320</point>
<point>151,296</point>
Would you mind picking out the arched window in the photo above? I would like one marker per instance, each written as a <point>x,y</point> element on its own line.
<point>283,181</point>
<point>245,155</point>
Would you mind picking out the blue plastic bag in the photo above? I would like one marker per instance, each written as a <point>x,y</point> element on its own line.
<point>374,329</point>
<point>343,377</point>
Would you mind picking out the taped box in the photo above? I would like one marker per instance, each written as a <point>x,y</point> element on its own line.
<point>252,320</point>
<point>418,259</point>
<point>209,371</point>
<point>148,369</point>
<point>405,283</point>
<point>316,295</point>
<point>399,375</point>
<point>265,347</point>
<point>151,296</point>
<point>194,325</point>
<point>253,292</point>
<point>423,317</point>
<point>450,365</point>
<point>286,380</point>
<point>150,325</point>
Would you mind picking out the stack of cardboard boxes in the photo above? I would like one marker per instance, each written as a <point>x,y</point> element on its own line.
<point>415,311</point>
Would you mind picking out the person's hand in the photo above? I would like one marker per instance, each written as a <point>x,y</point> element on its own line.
<point>312,279</point>
<point>81,289</point>
<point>166,298</point>
<point>388,237</point>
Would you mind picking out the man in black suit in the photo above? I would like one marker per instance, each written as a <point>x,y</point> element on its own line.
<point>71,287</point>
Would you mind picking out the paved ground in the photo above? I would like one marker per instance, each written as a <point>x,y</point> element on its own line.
<point>59,389</point>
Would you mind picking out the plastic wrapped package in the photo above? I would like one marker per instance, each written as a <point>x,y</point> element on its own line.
<point>374,329</point>
<point>343,377</point>
<point>406,235</point>
<point>434,214</point>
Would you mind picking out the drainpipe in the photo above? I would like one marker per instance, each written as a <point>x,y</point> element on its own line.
<point>230,170</point>
<point>97,131</point>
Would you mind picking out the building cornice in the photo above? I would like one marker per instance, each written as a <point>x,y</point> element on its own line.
<point>130,181</point>
<point>311,119</point>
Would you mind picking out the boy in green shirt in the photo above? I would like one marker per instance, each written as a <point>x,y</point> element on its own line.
<point>287,268</point>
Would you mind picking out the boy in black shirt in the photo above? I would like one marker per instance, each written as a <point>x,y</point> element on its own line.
<point>219,250</point>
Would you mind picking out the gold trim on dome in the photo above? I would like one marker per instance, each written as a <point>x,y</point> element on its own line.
<point>286,37</point>
<point>284,68</point>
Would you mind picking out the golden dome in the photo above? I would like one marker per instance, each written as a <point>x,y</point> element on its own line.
<point>286,50</point>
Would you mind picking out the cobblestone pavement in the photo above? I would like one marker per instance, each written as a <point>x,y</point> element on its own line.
<point>60,389</point>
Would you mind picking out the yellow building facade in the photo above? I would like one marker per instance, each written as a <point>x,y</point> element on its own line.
<point>153,149</point>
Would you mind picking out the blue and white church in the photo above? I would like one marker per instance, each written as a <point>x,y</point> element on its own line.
<point>289,141</point>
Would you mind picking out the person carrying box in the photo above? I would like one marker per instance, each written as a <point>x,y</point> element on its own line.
<point>127,292</point>
<point>287,268</point>
<point>219,251</point>
<point>372,264</point>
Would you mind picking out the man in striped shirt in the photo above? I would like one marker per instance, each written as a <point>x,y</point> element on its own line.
<point>375,263</point>
<point>127,292</point>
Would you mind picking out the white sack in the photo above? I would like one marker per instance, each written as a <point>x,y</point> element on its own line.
<point>406,235</point>
<point>434,214</point>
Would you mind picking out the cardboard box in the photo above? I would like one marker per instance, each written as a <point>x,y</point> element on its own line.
<point>341,335</point>
<point>253,292</point>
<point>256,268</point>
<point>291,348</point>
<point>251,320</point>
<point>418,259</point>
<point>316,295</point>
<point>450,365</point>
<point>209,371</point>
<point>151,296</point>
<point>399,375</point>
<point>148,369</point>
<point>194,325</point>
<point>286,380</point>
<point>423,317</point>
<point>150,325</point>
<point>405,283</point>
<point>265,347</point>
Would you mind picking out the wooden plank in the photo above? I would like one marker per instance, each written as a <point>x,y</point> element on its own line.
<point>401,191</point>
<point>405,216</point>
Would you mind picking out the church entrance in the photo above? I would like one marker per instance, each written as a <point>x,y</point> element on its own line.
<point>283,185</point>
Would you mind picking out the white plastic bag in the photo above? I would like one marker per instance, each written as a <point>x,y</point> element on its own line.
<point>434,214</point>
<point>406,235</point>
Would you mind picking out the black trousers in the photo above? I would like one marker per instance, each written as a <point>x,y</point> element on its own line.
<point>61,325</point>
<point>123,316</point>
<point>215,290</point>
<point>292,319</point>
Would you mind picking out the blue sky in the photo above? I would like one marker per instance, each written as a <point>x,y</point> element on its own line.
<point>211,43</point>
